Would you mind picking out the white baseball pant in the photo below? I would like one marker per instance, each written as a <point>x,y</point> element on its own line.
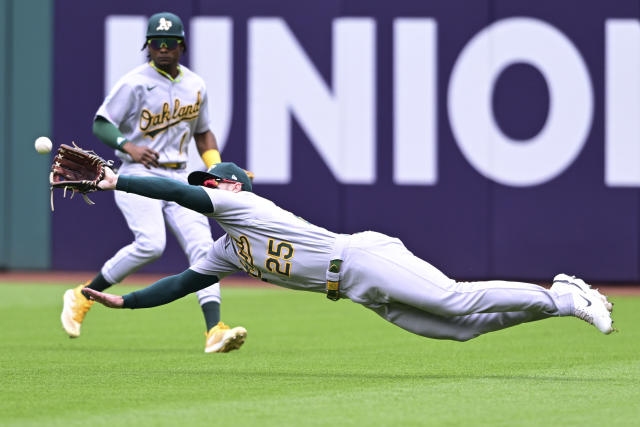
<point>380,273</point>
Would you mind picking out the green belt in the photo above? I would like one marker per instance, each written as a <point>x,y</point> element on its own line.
<point>333,280</point>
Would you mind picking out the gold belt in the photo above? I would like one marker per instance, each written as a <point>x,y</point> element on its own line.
<point>333,286</point>
<point>333,271</point>
<point>174,165</point>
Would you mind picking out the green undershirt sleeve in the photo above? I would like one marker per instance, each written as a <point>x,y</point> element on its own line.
<point>168,289</point>
<point>190,196</point>
<point>108,133</point>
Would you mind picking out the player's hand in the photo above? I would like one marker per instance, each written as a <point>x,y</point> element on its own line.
<point>141,154</point>
<point>108,300</point>
<point>109,181</point>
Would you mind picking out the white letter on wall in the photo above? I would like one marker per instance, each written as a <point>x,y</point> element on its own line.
<point>622,108</point>
<point>491,152</point>
<point>414,101</point>
<point>283,82</point>
<point>123,38</point>
<point>211,56</point>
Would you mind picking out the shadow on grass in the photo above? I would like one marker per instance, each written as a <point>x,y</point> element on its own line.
<point>300,375</point>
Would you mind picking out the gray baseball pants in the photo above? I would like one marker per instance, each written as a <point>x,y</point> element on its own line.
<point>380,273</point>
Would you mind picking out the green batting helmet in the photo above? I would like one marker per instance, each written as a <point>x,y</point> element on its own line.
<point>165,24</point>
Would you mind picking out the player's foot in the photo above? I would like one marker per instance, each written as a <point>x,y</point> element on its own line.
<point>221,338</point>
<point>589,304</point>
<point>565,280</point>
<point>74,309</point>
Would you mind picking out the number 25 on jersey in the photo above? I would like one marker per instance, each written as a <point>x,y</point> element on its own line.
<point>278,258</point>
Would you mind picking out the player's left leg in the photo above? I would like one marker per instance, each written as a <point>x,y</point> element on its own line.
<point>145,219</point>
<point>460,328</point>
<point>75,307</point>
<point>194,236</point>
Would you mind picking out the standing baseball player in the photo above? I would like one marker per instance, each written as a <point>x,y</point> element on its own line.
<point>149,117</point>
<point>369,268</point>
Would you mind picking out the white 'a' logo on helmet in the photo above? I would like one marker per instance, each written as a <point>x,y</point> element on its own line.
<point>164,25</point>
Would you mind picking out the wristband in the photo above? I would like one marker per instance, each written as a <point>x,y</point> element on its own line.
<point>120,142</point>
<point>211,157</point>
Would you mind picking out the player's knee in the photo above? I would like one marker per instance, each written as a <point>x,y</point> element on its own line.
<point>198,251</point>
<point>452,304</point>
<point>150,250</point>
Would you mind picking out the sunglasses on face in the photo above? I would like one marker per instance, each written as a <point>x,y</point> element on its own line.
<point>213,182</point>
<point>166,43</point>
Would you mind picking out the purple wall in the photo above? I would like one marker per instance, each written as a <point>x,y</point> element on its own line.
<point>466,224</point>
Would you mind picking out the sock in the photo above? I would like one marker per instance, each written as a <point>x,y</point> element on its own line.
<point>211,311</point>
<point>99,283</point>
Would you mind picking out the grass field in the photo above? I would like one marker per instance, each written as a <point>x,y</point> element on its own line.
<point>307,361</point>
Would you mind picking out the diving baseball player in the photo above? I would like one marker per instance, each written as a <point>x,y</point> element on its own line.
<point>369,268</point>
<point>149,117</point>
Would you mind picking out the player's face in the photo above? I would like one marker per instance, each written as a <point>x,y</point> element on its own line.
<point>223,184</point>
<point>228,186</point>
<point>165,52</point>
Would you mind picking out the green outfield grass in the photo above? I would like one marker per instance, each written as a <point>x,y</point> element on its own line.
<point>307,361</point>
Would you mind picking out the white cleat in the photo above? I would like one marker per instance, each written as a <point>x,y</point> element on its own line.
<point>222,339</point>
<point>564,279</point>
<point>589,304</point>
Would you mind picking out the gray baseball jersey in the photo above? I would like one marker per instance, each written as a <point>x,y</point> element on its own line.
<point>153,110</point>
<point>378,271</point>
<point>267,242</point>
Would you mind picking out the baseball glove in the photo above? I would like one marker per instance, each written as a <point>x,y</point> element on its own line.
<point>77,170</point>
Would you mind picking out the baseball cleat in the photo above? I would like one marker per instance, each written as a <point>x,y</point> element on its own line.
<point>222,339</point>
<point>74,309</point>
<point>589,304</point>
<point>562,280</point>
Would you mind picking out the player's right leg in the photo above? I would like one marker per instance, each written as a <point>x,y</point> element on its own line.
<point>381,270</point>
<point>194,236</point>
<point>145,219</point>
<point>463,328</point>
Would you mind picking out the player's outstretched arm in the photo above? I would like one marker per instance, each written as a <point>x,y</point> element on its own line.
<point>161,292</point>
<point>190,196</point>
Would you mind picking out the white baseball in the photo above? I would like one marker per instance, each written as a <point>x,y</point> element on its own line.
<point>43,145</point>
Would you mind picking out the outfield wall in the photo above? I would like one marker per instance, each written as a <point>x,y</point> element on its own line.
<point>26,71</point>
<point>495,138</point>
